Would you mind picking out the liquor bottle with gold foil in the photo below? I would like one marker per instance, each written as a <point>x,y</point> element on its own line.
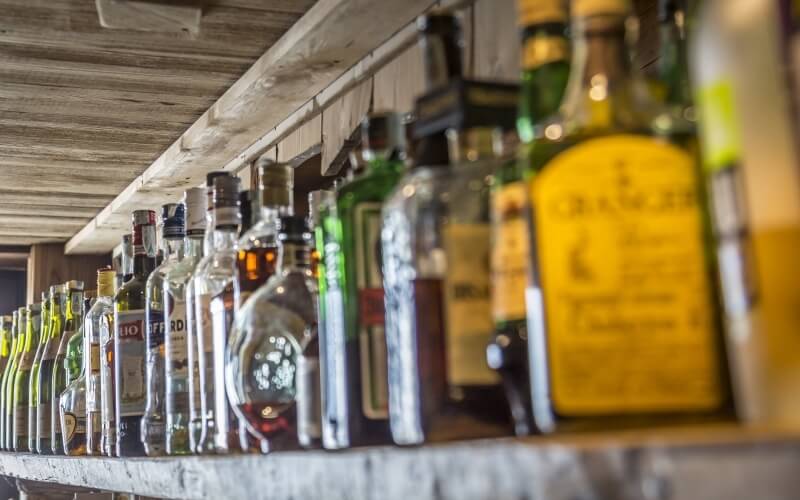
<point>623,317</point>
<point>129,342</point>
<point>73,318</point>
<point>216,301</point>
<point>356,408</point>
<point>102,310</point>
<point>6,374</point>
<point>33,384</point>
<point>21,393</point>
<point>545,69</point>
<point>154,420</point>
<point>10,416</point>
<point>5,341</point>
<point>44,423</point>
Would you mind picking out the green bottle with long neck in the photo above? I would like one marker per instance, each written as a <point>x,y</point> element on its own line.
<point>5,341</point>
<point>72,309</point>
<point>22,329</point>
<point>6,373</point>
<point>33,383</point>
<point>20,391</point>
<point>44,415</point>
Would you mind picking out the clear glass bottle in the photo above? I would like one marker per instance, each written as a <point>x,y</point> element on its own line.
<point>22,380</point>
<point>154,419</point>
<point>178,328</point>
<point>17,425</point>
<point>355,343</point>
<point>72,306</point>
<point>44,414</point>
<point>15,345</point>
<point>622,282</point>
<point>105,323</point>
<point>216,301</point>
<point>33,383</point>
<point>270,332</point>
<point>102,310</point>
<point>129,339</point>
<point>72,401</point>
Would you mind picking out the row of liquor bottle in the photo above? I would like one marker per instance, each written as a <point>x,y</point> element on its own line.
<point>591,275</point>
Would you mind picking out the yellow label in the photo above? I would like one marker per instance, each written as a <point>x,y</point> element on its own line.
<point>628,312</point>
<point>468,317</point>
<point>509,252</point>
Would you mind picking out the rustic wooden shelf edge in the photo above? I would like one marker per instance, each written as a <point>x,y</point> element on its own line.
<point>703,464</point>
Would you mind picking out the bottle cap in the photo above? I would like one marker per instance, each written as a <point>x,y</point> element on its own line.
<point>35,308</point>
<point>585,8</point>
<point>22,310</point>
<point>173,220</point>
<point>383,134</point>
<point>668,8</point>
<point>533,12</point>
<point>74,285</point>
<point>275,183</point>
<point>316,200</point>
<point>106,278</point>
<point>144,240</point>
<point>226,201</point>
<point>195,201</point>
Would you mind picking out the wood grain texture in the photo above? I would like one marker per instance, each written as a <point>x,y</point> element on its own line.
<point>496,40</point>
<point>47,265</point>
<point>340,120</point>
<point>149,16</point>
<point>301,140</point>
<point>399,83</point>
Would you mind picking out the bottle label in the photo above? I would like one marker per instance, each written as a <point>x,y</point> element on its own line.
<point>309,415</point>
<point>155,325</point>
<point>21,421</point>
<point>73,426</point>
<point>177,347</point>
<point>509,252</point>
<point>625,280</point>
<point>371,315</point>
<point>205,327</point>
<point>468,317</point>
<point>94,357</point>
<point>130,362</point>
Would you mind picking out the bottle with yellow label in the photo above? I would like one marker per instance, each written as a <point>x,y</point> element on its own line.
<point>622,303</point>
<point>545,68</point>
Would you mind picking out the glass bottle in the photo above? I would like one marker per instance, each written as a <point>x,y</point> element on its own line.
<point>671,84</point>
<point>5,341</point>
<point>72,307</point>
<point>216,300</point>
<point>33,383</point>
<point>177,327</point>
<point>545,69</point>
<point>72,401</point>
<point>129,342</point>
<point>621,281</point>
<point>22,330</point>
<point>44,422</point>
<point>102,310</point>
<point>6,374</point>
<point>127,260</point>
<point>108,410</point>
<point>248,206</point>
<point>22,380</point>
<point>356,407</point>
<point>269,334</point>
<point>153,423</point>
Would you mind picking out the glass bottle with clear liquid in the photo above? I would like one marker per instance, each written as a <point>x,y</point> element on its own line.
<point>102,309</point>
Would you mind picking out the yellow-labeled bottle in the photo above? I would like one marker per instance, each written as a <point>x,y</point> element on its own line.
<point>623,314</point>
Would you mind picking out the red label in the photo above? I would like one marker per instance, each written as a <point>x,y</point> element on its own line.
<point>133,330</point>
<point>370,306</point>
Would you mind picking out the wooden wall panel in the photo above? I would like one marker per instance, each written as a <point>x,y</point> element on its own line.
<point>47,265</point>
<point>299,144</point>
<point>399,83</point>
<point>496,43</point>
<point>339,121</point>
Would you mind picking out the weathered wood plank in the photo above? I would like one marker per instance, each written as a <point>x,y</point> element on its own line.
<point>303,139</point>
<point>58,199</point>
<point>339,120</point>
<point>149,16</point>
<point>400,82</point>
<point>47,265</point>
<point>496,46</point>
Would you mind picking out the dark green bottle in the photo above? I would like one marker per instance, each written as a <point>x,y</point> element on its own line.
<point>356,406</point>
<point>22,379</point>
<point>671,84</point>
<point>545,70</point>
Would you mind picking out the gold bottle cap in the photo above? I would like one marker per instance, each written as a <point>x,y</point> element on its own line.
<point>532,12</point>
<point>106,278</point>
<point>585,8</point>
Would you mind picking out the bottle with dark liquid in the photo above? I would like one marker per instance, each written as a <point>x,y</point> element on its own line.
<point>276,325</point>
<point>44,409</point>
<point>129,341</point>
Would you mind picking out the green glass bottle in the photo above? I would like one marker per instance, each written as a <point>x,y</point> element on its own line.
<point>22,379</point>
<point>671,84</point>
<point>622,307</point>
<point>44,413</point>
<point>5,341</point>
<point>33,385</point>
<point>10,415</point>
<point>545,69</point>
<point>6,374</point>
<point>73,316</point>
<point>72,400</point>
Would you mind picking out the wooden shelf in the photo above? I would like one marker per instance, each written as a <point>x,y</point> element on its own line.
<point>725,463</point>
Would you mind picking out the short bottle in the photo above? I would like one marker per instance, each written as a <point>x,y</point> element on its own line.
<point>129,340</point>
<point>153,422</point>
<point>101,312</point>
<point>270,333</point>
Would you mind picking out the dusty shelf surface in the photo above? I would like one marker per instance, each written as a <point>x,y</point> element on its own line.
<point>725,463</point>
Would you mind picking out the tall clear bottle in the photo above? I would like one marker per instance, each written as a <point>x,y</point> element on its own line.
<point>154,419</point>
<point>73,318</point>
<point>10,410</point>
<point>269,334</point>
<point>44,422</point>
<point>6,374</point>
<point>178,328</point>
<point>622,282</point>
<point>129,342</point>
<point>102,311</point>
<point>33,383</point>
<point>21,393</point>
<point>216,301</point>
<point>545,69</point>
<point>356,407</point>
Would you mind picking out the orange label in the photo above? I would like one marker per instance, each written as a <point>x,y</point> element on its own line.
<point>509,255</point>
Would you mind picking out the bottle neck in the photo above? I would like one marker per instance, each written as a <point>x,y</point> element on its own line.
<point>271,213</point>
<point>193,245</point>
<point>225,238</point>
<point>55,318</point>
<point>672,62</point>
<point>294,256</point>
<point>173,250</point>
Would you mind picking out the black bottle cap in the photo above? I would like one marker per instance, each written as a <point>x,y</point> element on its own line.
<point>174,221</point>
<point>226,191</point>
<point>246,209</point>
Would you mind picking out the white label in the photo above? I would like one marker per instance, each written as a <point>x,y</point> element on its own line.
<point>130,362</point>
